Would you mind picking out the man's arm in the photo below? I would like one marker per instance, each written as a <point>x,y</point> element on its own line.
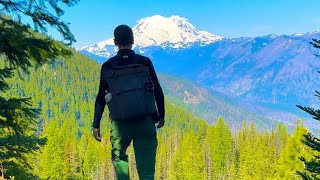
<point>158,93</point>
<point>100,101</point>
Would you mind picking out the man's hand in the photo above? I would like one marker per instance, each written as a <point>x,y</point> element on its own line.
<point>160,123</point>
<point>96,134</point>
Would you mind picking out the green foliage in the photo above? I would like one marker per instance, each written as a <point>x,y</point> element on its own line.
<point>188,147</point>
<point>220,151</point>
<point>312,166</point>
<point>289,163</point>
<point>190,156</point>
<point>315,43</point>
<point>17,138</point>
<point>42,13</point>
<point>20,46</point>
<point>255,153</point>
<point>20,49</point>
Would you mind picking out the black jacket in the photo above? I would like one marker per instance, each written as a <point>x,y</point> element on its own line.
<point>125,57</point>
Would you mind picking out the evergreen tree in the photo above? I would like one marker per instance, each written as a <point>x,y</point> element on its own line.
<point>280,135</point>
<point>189,162</point>
<point>220,142</point>
<point>21,48</point>
<point>245,152</point>
<point>289,162</point>
<point>51,161</point>
<point>255,153</point>
<point>312,166</point>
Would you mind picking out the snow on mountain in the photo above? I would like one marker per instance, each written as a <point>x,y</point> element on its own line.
<point>156,30</point>
<point>174,32</point>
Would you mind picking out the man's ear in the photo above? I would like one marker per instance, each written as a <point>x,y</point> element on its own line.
<point>115,42</point>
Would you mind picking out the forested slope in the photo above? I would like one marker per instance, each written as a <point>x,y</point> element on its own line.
<point>188,148</point>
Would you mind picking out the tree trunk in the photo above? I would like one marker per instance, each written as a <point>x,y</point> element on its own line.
<point>2,171</point>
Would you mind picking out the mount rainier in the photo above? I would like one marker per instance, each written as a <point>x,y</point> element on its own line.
<point>173,32</point>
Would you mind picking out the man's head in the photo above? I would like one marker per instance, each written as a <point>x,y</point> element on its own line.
<point>123,37</point>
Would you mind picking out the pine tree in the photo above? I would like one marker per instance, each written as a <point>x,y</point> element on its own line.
<point>312,166</point>
<point>189,162</point>
<point>21,48</point>
<point>245,152</point>
<point>220,154</point>
<point>255,153</point>
<point>280,135</point>
<point>289,162</point>
<point>52,156</point>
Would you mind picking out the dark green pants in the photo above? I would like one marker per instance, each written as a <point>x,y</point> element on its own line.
<point>144,137</point>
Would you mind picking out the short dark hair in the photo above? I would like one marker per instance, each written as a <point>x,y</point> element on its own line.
<point>123,35</point>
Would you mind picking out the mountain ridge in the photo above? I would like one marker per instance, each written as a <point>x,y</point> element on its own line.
<point>278,71</point>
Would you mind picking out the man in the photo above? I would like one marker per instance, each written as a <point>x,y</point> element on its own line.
<point>141,131</point>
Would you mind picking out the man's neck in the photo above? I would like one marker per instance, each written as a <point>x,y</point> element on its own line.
<point>125,47</point>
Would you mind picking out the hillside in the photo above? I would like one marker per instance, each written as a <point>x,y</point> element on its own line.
<point>209,105</point>
<point>65,91</point>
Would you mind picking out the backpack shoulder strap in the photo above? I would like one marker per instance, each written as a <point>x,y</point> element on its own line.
<point>113,61</point>
<point>136,59</point>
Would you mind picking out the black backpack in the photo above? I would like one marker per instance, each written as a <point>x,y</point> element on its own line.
<point>132,97</point>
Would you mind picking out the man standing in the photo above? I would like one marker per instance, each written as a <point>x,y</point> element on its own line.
<point>126,125</point>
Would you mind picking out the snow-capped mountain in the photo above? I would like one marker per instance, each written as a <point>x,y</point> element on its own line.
<point>172,32</point>
<point>177,31</point>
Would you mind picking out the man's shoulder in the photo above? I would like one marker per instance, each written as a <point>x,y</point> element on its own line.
<point>141,60</point>
<point>144,59</point>
<point>108,63</point>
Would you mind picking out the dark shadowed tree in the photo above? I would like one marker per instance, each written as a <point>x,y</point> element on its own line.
<point>313,166</point>
<point>22,46</point>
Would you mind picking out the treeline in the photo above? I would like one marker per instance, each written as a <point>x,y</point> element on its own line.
<point>188,147</point>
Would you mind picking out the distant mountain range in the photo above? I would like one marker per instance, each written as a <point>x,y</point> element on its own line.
<point>209,105</point>
<point>268,74</point>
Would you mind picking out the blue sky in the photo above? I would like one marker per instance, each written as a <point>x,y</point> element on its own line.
<point>94,20</point>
